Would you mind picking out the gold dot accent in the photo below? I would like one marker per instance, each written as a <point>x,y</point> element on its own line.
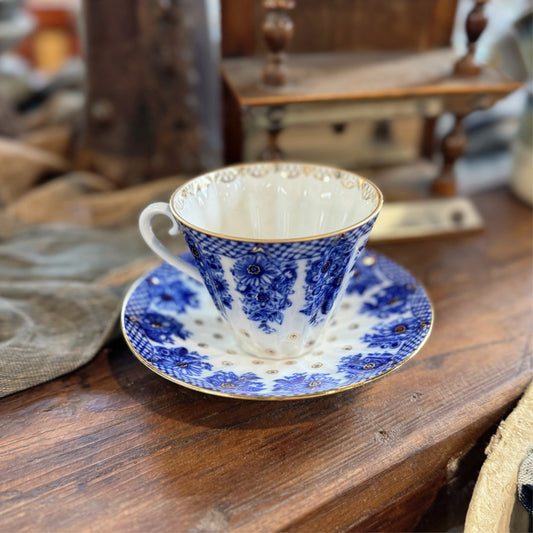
<point>270,351</point>
<point>257,362</point>
<point>369,260</point>
<point>400,329</point>
<point>272,371</point>
<point>318,352</point>
<point>368,366</point>
<point>423,325</point>
<point>232,352</point>
<point>219,319</point>
<point>290,362</point>
<point>353,326</point>
<point>345,305</point>
<point>244,332</point>
<point>314,383</point>
<point>332,339</point>
<point>334,323</point>
<point>316,365</point>
<point>228,385</point>
<point>347,347</point>
<point>203,345</point>
<point>293,337</point>
<point>227,363</point>
<point>218,336</point>
<point>310,343</point>
<point>199,322</point>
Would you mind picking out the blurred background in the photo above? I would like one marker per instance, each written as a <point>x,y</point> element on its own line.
<point>133,92</point>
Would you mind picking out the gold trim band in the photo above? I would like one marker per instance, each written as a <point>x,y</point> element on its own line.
<point>362,180</point>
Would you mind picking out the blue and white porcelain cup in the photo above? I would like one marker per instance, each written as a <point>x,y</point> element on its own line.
<point>274,244</point>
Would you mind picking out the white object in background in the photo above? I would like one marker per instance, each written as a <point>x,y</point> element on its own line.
<point>426,218</point>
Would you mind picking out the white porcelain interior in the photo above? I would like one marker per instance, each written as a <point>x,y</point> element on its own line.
<point>276,201</point>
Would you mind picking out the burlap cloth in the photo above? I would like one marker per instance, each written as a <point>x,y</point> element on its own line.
<point>68,251</point>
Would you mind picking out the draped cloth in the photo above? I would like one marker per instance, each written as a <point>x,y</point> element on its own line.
<point>68,253</point>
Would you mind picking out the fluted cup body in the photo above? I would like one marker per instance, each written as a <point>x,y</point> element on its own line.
<point>275,245</point>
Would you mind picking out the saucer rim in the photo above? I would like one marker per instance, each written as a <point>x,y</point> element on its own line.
<point>212,392</point>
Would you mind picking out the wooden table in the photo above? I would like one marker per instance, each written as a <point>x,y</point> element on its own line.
<point>114,447</point>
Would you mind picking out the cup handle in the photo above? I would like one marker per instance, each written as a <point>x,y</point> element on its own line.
<point>145,227</point>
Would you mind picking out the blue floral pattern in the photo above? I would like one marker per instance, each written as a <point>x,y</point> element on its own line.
<point>212,272</point>
<point>173,328</point>
<point>161,328</point>
<point>172,295</point>
<point>361,364</point>
<point>326,274</point>
<point>389,301</point>
<point>265,285</point>
<point>297,382</point>
<point>363,279</point>
<point>231,382</point>
<point>182,361</point>
<point>392,334</point>
<point>263,276</point>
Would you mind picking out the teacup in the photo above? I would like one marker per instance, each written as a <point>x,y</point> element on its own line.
<point>274,244</point>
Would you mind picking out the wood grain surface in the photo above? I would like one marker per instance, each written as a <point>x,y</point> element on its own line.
<point>143,116</point>
<point>365,75</point>
<point>114,447</point>
<point>342,25</point>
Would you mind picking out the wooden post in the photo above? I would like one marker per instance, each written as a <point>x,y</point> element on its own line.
<point>475,24</point>
<point>453,145</point>
<point>143,113</point>
<point>277,31</point>
<point>272,151</point>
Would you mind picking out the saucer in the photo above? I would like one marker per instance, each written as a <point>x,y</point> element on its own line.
<point>172,326</point>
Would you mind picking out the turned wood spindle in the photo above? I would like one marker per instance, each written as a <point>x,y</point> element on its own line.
<point>272,151</point>
<point>278,29</point>
<point>476,21</point>
<point>453,145</point>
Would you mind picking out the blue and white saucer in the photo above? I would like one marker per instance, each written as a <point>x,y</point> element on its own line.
<point>172,326</point>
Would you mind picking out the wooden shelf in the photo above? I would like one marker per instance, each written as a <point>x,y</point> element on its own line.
<point>369,75</point>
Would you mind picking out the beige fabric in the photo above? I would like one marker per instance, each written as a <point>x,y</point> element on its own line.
<point>87,199</point>
<point>69,248</point>
<point>494,507</point>
<point>22,166</point>
<point>61,290</point>
<point>50,328</point>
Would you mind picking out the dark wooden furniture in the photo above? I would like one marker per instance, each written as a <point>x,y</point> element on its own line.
<point>114,447</point>
<point>360,56</point>
<point>147,91</point>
